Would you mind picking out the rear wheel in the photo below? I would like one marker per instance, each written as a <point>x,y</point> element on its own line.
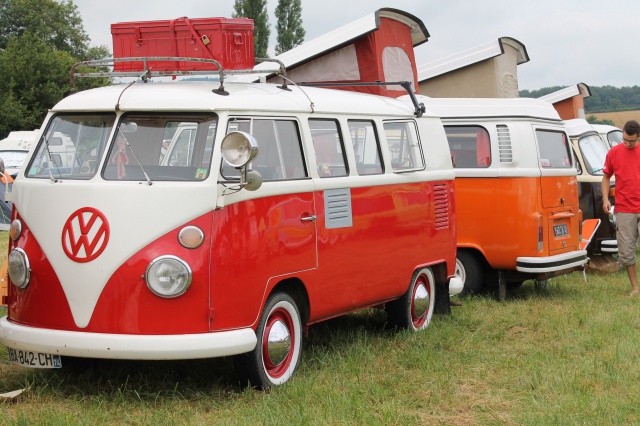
<point>277,353</point>
<point>469,270</point>
<point>415,308</point>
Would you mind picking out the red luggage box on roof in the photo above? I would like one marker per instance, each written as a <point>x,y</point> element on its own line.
<point>227,40</point>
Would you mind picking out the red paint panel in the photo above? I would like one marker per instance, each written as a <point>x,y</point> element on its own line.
<point>126,304</point>
<point>43,303</point>
<point>254,241</point>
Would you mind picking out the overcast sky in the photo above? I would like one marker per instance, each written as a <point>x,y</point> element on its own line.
<point>596,42</point>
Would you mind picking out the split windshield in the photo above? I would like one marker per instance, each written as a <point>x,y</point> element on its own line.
<point>155,147</point>
<point>594,153</point>
<point>71,147</point>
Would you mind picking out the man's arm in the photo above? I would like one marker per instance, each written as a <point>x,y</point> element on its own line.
<point>606,184</point>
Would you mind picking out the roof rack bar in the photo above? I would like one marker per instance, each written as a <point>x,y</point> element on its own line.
<point>406,85</point>
<point>282,71</point>
<point>148,72</point>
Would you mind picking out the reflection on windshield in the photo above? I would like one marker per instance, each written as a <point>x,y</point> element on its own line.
<point>161,147</point>
<point>71,147</point>
<point>594,153</point>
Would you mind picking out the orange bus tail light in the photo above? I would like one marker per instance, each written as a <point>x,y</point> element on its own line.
<point>540,233</point>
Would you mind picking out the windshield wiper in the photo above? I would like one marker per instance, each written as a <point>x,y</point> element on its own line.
<point>49,160</point>
<point>136,158</point>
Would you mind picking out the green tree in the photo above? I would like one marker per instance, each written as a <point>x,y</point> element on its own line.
<point>256,10</point>
<point>289,25</point>
<point>35,76</point>
<point>40,40</point>
<point>56,23</point>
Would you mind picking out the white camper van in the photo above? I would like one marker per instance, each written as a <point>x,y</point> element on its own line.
<point>14,149</point>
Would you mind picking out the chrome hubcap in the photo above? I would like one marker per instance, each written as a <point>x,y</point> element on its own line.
<point>278,343</point>
<point>420,300</point>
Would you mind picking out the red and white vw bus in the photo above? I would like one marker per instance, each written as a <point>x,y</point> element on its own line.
<point>285,207</point>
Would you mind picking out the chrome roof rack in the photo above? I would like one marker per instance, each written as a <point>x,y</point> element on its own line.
<point>149,72</point>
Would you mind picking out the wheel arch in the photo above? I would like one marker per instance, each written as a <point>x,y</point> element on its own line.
<point>295,288</point>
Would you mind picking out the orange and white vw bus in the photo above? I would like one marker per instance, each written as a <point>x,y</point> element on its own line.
<point>287,207</point>
<point>516,191</point>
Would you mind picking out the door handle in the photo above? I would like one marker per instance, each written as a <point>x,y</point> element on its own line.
<point>311,218</point>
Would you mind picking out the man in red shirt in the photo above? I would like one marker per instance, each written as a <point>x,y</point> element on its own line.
<point>623,161</point>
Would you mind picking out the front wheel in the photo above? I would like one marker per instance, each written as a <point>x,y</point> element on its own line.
<point>414,309</point>
<point>276,356</point>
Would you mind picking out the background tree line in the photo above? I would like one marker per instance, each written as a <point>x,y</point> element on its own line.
<point>602,99</point>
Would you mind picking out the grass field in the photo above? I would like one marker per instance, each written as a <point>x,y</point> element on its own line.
<point>564,355</point>
<point>619,117</point>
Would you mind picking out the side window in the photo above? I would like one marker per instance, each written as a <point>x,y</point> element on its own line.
<point>280,154</point>
<point>469,146</point>
<point>404,146</point>
<point>554,149</point>
<point>329,148</point>
<point>366,147</point>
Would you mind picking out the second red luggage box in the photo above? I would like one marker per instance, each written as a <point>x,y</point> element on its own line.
<point>227,40</point>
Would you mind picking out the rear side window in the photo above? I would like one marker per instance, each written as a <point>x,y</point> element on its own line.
<point>553,149</point>
<point>329,148</point>
<point>280,154</point>
<point>469,146</point>
<point>404,146</point>
<point>366,147</point>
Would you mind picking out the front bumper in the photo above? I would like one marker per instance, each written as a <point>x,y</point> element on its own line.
<point>609,246</point>
<point>549,264</point>
<point>126,346</point>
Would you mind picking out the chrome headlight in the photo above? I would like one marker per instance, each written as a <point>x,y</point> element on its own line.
<point>168,276</point>
<point>18,268</point>
<point>239,148</point>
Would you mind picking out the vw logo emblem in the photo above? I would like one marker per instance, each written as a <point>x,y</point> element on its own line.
<point>85,235</point>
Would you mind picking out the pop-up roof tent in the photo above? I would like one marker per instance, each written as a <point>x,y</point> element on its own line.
<point>378,47</point>
<point>488,70</point>
<point>569,102</point>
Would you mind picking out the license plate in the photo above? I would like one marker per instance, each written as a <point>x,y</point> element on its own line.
<point>560,230</point>
<point>34,359</point>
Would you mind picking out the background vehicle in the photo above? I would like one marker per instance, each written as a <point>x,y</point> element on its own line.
<point>14,149</point>
<point>516,191</point>
<point>590,152</point>
<point>610,134</point>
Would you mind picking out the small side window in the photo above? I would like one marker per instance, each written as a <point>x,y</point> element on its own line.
<point>366,147</point>
<point>554,149</point>
<point>404,146</point>
<point>329,148</point>
<point>469,146</point>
